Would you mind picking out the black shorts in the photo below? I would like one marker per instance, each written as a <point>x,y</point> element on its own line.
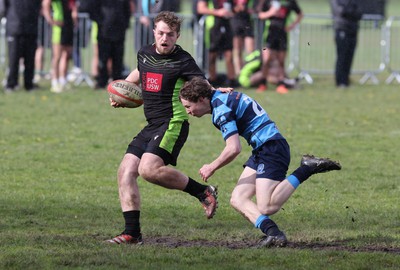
<point>242,27</point>
<point>63,35</point>
<point>271,160</point>
<point>277,40</point>
<point>67,36</point>
<point>221,39</point>
<point>164,139</point>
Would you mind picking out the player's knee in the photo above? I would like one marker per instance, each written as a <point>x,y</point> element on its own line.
<point>148,173</point>
<point>128,168</point>
<point>235,201</point>
<point>126,175</point>
<point>268,209</point>
<point>144,172</point>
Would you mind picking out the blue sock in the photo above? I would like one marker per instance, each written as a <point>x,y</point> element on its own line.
<point>259,220</point>
<point>293,181</point>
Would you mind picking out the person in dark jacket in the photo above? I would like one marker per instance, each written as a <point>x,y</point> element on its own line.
<point>346,17</point>
<point>113,21</point>
<point>21,31</point>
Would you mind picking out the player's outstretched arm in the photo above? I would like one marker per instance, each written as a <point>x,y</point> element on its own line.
<point>230,152</point>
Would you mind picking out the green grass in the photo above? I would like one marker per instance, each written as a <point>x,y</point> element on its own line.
<point>59,201</point>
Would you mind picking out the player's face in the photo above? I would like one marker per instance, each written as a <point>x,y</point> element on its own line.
<point>165,38</point>
<point>197,109</point>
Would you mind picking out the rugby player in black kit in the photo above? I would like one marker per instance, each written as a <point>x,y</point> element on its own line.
<point>162,69</point>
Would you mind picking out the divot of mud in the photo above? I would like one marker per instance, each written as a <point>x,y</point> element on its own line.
<point>172,242</point>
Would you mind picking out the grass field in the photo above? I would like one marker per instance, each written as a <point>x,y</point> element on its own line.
<point>58,201</point>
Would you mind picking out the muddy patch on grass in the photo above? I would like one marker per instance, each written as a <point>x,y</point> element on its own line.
<point>172,242</point>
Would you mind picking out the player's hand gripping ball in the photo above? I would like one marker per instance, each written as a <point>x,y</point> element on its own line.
<point>125,94</point>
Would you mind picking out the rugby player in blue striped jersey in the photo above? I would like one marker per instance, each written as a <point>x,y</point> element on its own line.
<point>264,176</point>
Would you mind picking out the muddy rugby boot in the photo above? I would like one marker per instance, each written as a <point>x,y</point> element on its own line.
<point>209,201</point>
<point>126,239</point>
<point>319,165</point>
<point>278,240</point>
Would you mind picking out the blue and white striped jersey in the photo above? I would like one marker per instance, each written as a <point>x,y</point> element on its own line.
<point>236,112</point>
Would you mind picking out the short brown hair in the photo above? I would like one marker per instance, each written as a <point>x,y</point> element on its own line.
<point>173,21</point>
<point>196,88</point>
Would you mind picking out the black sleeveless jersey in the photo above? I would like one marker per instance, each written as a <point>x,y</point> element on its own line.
<point>162,76</point>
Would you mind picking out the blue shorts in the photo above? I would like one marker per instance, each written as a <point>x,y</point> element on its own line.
<point>271,160</point>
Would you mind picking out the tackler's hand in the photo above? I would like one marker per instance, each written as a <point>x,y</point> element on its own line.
<point>206,172</point>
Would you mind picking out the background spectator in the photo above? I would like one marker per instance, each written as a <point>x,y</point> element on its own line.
<point>346,17</point>
<point>220,38</point>
<point>21,31</point>
<point>43,43</point>
<point>113,21</point>
<point>62,15</point>
<point>243,32</point>
<point>251,74</point>
<point>276,43</point>
<point>90,7</point>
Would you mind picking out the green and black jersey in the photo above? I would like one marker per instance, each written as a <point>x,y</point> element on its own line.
<point>62,12</point>
<point>162,76</point>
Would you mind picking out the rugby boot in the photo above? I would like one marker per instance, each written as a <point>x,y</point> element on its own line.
<point>126,239</point>
<point>319,165</point>
<point>278,240</point>
<point>209,201</point>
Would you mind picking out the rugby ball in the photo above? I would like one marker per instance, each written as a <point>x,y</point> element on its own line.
<point>126,94</point>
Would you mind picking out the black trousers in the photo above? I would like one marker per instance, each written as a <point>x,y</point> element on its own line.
<point>114,50</point>
<point>346,43</point>
<point>21,46</point>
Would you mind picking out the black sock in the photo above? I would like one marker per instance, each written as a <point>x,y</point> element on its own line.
<point>132,223</point>
<point>194,188</point>
<point>269,227</point>
<point>302,173</point>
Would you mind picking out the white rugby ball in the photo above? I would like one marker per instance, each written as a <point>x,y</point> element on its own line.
<point>126,94</point>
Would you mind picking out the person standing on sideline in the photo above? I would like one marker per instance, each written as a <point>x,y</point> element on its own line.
<point>346,17</point>
<point>162,69</point>
<point>219,38</point>
<point>62,15</point>
<point>113,21</point>
<point>264,175</point>
<point>21,32</point>
<point>43,43</point>
<point>91,7</point>
<point>277,12</point>
<point>243,32</point>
